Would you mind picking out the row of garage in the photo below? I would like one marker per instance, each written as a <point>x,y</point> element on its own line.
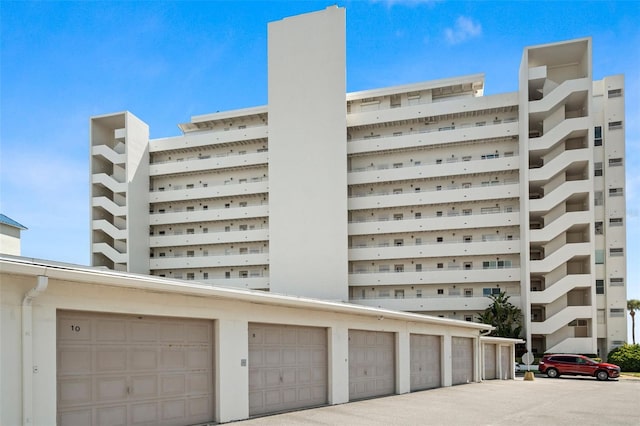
<point>109,348</point>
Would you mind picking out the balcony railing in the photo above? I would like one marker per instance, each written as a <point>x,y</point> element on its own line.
<point>447,188</point>
<point>453,241</point>
<point>449,160</point>
<point>492,210</point>
<point>437,129</point>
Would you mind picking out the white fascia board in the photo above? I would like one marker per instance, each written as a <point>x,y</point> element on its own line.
<point>494,339</point>
<point>237,113</point>
<point>94,276</point>
<point>425,85</point>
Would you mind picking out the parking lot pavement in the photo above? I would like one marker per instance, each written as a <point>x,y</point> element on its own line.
<point>563,401</point>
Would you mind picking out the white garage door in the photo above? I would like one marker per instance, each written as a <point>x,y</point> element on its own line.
<point>489,361</point>
<point>505,363</point>
<point>462,360</point>
<point>425,362</point>
<point>131,370</point>
<point>371,364</point>
<point>287,367</point>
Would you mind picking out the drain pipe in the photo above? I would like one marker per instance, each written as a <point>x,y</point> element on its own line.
<point>27,349</point>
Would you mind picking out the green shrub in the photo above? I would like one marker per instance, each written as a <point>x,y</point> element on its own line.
<point>626,356</point>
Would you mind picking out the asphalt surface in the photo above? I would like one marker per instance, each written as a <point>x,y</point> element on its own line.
<point>543,401</point>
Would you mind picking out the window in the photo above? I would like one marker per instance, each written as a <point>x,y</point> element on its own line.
<point>467,265</point>
<point>242,204</point>
<point>439,239</point>
<point>398,242</point>
<point>615,93</point>
<point>488,210</point>
<point>438,187</point>
<point>205,230</point>
<point>398,294</point>
<point>599,286</point>
<point>468,292</point>
<point>419,293</point>
<point>597,169</point>
<point>227,274</point>
<point>615,252</point>
<point>599,257</point>
<point>398,268</point>
<point>615,125</point>
<point>489,291</point>
<point>440,291</point>
<point>599,228</point>
<point>162,254</point>
<point>598,198</point>
<point>468,318</point>
<point>190,230</point>
<point>616,192</point>
<point>438,214</point>
<point>205,275</point>
<point>418,215</point>
<point>418,241</point>
<point>615,162</point>
<point>418,267</point>
<point>189,186</point>
<point>466,212</point>
<point>597,136</point>
<point>440,265</point>
<point>439,161</point>
<point>616,312</point>
<point>243,274</point>
<point>397,191</point>
<point>398,216</point>
<point>191,276</point>
<point>190,253</point>
<point>242,227</point>
<point>243,250</point>
<point>161,232</point>
<point>616,281</point>
<point>467,238</point>
<point>417,189</point>
<point>615,221</point>
<point>466,185</point>
<point>466,158</point>
<point>397,165</point>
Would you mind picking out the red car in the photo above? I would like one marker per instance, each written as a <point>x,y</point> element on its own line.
<point>556,365</point>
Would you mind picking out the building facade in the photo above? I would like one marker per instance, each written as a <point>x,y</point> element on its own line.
<point>424,198</point>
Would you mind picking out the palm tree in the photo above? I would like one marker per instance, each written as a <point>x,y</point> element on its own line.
<point>503,315</point>
<point>633,305</point>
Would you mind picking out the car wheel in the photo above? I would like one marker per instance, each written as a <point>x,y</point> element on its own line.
<point>602,375</point>
<point>552,372</point>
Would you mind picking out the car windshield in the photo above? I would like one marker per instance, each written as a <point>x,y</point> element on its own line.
<point>587,359</point>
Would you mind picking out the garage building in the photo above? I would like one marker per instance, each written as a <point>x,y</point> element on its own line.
<point>96,347</point>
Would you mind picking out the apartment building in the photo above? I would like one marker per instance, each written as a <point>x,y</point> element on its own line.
<point>425,197</point>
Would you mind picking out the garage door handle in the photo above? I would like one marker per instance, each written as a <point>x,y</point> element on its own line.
<point>365,372</point>
<point>280,379</point>
<point>128,390</point>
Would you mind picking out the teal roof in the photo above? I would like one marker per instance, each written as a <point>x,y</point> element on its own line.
<point>8,221</point>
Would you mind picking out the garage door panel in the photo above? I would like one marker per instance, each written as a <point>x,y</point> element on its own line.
<point>505,362</point>
<point>75,360</point>
<point>426,366</point>
<point>112,416</point>
<point>144,413</point>
<point>283,372</point>
<point>144,386</point>
<point>151,370</point>
<point>490,361</point>
<point>462,360</point>
<point>371,364</point>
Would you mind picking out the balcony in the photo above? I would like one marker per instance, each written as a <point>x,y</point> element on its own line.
<point>436,135</point>
<point>205,163</point>
<point>208,138</point>
<point>434,223</point>
<point>193,216</point>
<point>184,262</point>
<point>434,276</point>
<point>253,186</point>
<point>383,173</point>
<point>447,249</point>
<point>433,303</point>
<point>386,198</point>
<point>200,239</point>
<point>250,283</point>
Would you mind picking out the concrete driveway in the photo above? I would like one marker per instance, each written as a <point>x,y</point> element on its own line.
<point>563,401</point>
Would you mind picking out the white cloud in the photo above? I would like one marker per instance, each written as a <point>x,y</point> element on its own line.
<point>464,29</point>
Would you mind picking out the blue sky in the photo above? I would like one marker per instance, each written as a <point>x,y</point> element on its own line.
<point>63,62</point>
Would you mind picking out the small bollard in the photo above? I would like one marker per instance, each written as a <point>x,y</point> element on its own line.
<point>528,376</point>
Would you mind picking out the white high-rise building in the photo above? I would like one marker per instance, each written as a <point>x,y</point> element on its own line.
<point>424,197</point>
